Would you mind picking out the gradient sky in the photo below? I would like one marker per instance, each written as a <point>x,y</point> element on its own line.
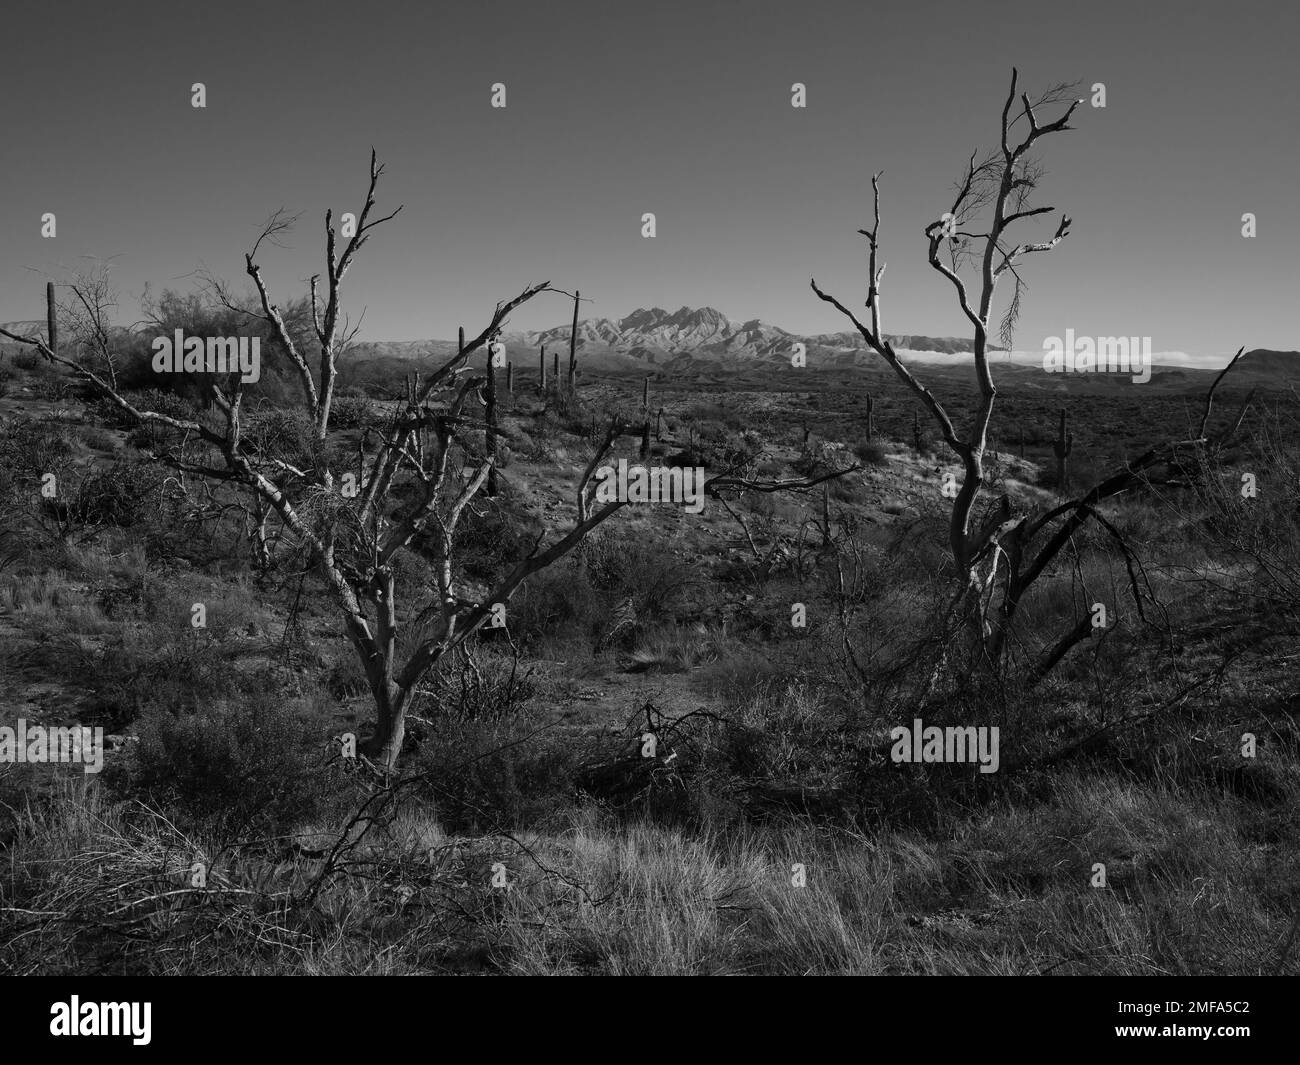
<point>679,108</point>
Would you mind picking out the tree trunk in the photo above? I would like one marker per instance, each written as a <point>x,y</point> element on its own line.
<point>490,436</point>
<point>385,746</point>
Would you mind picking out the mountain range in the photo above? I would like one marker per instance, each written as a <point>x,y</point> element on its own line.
<point>684,340</point>
<point>655,333</point>
<point>703,345</point>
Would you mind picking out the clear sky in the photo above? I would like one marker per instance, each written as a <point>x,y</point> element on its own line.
<point>677,108</point>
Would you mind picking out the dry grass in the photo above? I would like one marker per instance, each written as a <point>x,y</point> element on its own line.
<point>1128,758</point>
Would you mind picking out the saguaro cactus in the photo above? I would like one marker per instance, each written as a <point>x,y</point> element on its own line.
<point>573,346</point>
<point>645,416</point>
<point>1062,447</point>
<point>510,379</point>
<point>541,366</point>
<point>659,422</point>
<point>51,317</point>
<point>555,370</point>
<point>871,409</point>
<point>916,431</point>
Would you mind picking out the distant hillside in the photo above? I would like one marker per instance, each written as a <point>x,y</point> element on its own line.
<point>31,329</point>
<point>1269,367</point>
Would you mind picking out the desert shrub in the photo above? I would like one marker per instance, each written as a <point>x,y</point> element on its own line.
<point>231,764</point>
<point>132,361</point>
<point>375,376</point>
<point>493,535</point>
<point>97,439</point>
<point>199,314</point>
<point>286,433</point>
<point>485,775</point>
<point>343,676</point>
<point>532,446</point>
<point>496,688</point>
<point>121,494</point>
<point>31,447</point>
<point>871,452</point>
<point>415,577</point>
<point>736,676</point>
<point>1262,535</point>
<point>847,490</point>
<point>781,732</point>
<point>715,417</point>
<point>105,412</point>
<point>166,665</point>
<point>55,387</point>
<point>27,359</point>
<point>675,648</point>
<point>819,457</point>
<point>630,566</point>
<point>575,416</point>
<point>145,435</point>
<point>553,601</point>
<point>735,451</point>
<point>350,412</point>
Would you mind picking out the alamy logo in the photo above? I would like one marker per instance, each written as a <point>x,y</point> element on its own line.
<point>654,484</point>
<point>1099,355</point>
<point>181,354</point>
<point>951,744</point>
<point>102,1018</point>
<point>67,744</point>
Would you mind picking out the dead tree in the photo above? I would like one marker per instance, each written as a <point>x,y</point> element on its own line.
<point>993,556</point>
<point>354,530</point>
<point>83,324</point>
<point>490,417</point>
<point>353,542</point>
<point>51,317</point>
<point>573,346</point>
